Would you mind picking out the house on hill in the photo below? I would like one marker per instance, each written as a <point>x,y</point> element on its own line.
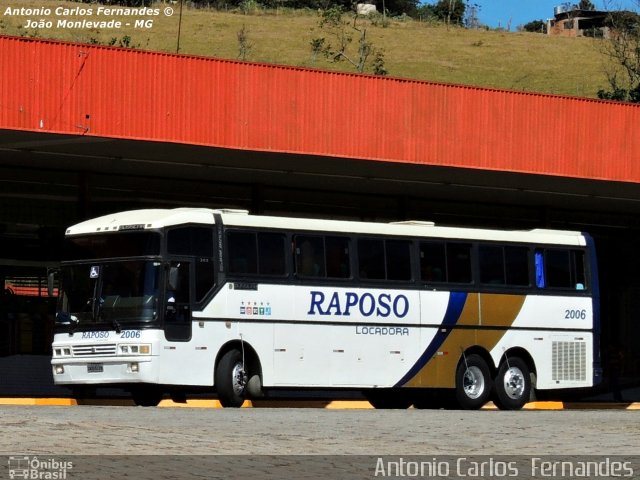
<point>570,22</point>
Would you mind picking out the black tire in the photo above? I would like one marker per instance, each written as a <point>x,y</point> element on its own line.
<point>146,396</point>
<point>512,386</point>
<point>231,379</point>
<point>389,398</point>
<point>473,382</point>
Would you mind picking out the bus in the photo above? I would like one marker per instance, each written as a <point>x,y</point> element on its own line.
<point>169,301</point>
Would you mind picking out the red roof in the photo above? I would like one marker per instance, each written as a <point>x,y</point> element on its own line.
<point>57,87</point>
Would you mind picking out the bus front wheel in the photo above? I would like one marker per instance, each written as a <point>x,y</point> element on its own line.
<point>231,379</point>
<point>513,384</point>
<point>473,382</point>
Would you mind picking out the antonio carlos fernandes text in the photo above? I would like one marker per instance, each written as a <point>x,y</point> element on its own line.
<point>537,467</point>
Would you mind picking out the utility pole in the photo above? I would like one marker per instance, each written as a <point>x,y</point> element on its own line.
<point>179,27</point>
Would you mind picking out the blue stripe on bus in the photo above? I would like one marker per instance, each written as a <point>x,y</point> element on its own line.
<point>595,298</point>
<point>451,317</point>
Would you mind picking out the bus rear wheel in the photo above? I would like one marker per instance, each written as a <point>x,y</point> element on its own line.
<point>512,386</point>
<point>231,379</point>
<point>473,382</point>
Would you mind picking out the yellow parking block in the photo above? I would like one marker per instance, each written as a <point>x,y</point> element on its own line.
<point>38,401</point>
<point>325,404</point>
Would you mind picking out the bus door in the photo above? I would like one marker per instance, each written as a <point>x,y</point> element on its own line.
<point>177,314</point>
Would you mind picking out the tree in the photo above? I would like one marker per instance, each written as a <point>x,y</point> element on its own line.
<point>536,26</point>
<point>623,49</point>
<point>398,7</point>
<point>586,5</point>
<point>471,17</point>
<point>342,31</point>
<point>450,11</point>
<point>244,45</point>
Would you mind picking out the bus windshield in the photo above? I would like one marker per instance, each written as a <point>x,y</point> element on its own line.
<point>110,292</point>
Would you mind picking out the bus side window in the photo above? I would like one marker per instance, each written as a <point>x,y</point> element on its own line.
<point>338,253</point>
<point>398,253</point>
<point>564,269</point>
<point>371,263</point>
<point>309,253</point>
<point>271,254</point>
<point>579,271</point>
<point>432,262</point>
<point>459,263</point>
<point>491,265</point>
<point>243,254</point>
<point>557,264</point>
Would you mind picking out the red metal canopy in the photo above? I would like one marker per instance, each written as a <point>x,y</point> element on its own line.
<point>57,87</point>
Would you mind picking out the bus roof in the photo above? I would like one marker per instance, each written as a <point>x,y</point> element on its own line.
<point>159,218</point>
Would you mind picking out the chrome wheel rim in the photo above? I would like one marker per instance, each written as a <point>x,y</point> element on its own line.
<point>514,383</point>
<point>473,382</point>
<point>238,379</point>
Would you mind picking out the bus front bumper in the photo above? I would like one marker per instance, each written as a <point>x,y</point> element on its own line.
<point>104,371</point>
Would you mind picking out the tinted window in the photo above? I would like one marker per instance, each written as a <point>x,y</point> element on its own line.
<point>517,265</point>
<point>433,262</point>
<point>504,265</point>
<point>491,265</point>
<point>580,278</point>
<point>445,262</point>
<point>398,260</point>
<point>564,269</point>
<point>459,263</point>
<point>252,253</point>
<point>309,251</point>
<point>242,252</point>
<point>557,266</point>
<point>116,244</point>
<point>338,253</point>
<point>271,256</point>
<point>371,259</point>
<point>192,241</point>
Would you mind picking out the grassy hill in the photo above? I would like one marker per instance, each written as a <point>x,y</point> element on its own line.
<point>412,49</point>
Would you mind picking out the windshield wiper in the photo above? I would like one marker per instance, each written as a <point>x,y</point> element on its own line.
<point>116,324</point>
<point>100,318</point>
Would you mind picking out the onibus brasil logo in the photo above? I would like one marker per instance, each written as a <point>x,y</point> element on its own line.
<point>38,469</point>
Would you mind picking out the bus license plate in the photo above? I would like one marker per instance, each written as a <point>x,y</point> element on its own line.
<point>95,368</point>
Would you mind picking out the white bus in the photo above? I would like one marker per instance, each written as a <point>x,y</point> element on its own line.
<point>408,313</point>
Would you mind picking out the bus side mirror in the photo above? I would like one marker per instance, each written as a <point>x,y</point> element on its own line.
<point>51,281</point>
<point>173,278</point>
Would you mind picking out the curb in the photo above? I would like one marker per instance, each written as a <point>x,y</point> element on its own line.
<point>325,404</point>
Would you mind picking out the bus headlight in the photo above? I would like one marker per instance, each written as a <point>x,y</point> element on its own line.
<point>135,349</point>
<point>59,369</point>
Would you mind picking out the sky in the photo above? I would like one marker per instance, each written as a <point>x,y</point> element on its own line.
<point>502,13</point>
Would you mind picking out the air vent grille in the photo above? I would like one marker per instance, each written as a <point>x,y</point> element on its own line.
<point>569,361</point>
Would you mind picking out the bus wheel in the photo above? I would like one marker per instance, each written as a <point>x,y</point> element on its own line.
<point>231,379</point>
<point>146,396</point>
<point>473,382</point>
<point>512,385</point>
